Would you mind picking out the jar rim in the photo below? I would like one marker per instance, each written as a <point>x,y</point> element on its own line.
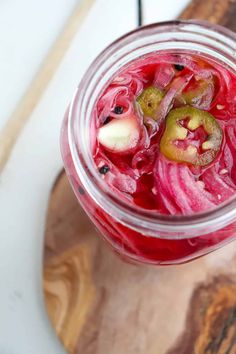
<point>136,217</point>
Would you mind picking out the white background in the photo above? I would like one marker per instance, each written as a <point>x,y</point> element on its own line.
<point>27,30</point>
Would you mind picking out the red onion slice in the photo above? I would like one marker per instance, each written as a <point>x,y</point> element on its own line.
<point>228,158</point>
<point>181,199</point>
<point>114,178</point>
<point>143,160</point>
<point>134,80</point>
<point>176,87</point>
<point>182,193</point>
<point>200,199</point>
<point>162,185</point>
<point>216,185</point>
<point>163,76</point>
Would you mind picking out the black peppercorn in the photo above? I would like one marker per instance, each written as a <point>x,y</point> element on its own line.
<point>179,67</point>
<point>118,110</point>
<point>104,169</point>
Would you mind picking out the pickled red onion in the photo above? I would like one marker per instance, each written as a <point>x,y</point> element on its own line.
<point>163,76</point>
<point>120,181</point>
<point>176,87</point>
<point>182,188</point>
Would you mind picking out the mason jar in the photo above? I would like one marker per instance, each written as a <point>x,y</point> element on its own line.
<point>136,234</point>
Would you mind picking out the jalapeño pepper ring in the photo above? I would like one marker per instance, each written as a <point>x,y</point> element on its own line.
<point>174,131</point>
<point>149,101</point>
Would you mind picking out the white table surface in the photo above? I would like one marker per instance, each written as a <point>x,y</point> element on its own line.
<point>27,30</point>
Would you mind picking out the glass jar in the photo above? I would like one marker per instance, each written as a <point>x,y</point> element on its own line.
<point>136,234</point>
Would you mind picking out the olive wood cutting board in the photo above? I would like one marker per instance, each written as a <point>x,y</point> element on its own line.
<point>99,304</point>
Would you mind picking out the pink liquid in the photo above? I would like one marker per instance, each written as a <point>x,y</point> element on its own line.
<point>143,176</point>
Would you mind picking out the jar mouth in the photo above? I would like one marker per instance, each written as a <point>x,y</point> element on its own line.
<point>198,36</point>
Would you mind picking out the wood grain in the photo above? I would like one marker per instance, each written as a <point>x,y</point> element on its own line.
<point>99,304</point>
<point>221,12</point>
<point>211,320</point>
<point>69,291</point>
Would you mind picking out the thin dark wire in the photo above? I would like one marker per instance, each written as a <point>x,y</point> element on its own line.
<point>140,13</point>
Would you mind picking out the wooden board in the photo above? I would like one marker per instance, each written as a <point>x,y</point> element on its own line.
<point>99,304</point>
